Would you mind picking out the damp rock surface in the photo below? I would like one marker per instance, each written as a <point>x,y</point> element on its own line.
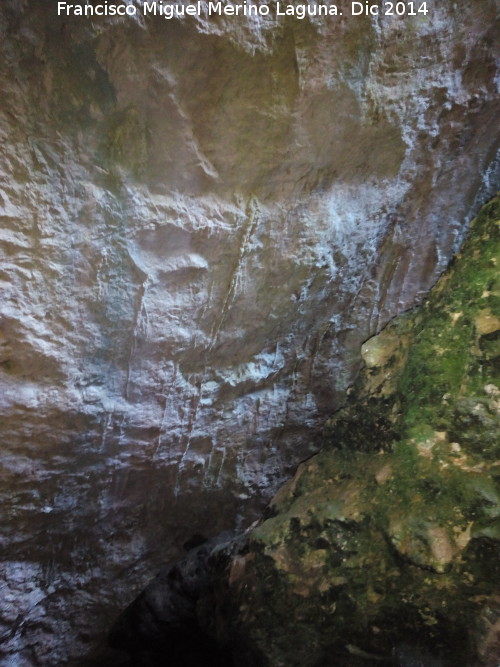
<point>384,548</point>
<point>201,221</point>
<point>390,536</point>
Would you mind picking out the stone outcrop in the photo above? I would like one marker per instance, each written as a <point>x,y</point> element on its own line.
<point>202,220</point>
<point>384,548</point>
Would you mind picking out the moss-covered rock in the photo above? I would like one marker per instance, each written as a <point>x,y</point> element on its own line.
<point>384,548</point>
<point>387,543</point>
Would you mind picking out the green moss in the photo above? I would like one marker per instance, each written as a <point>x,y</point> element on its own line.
<point>392,532</point>
<point>365,430</point>
<point>444,359</point>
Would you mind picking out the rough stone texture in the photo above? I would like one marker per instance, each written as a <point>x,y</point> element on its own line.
<point>390,537</point>
<point>384,548</point>
<point>201,222</point>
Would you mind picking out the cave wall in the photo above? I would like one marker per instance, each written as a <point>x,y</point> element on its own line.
<point>202,220</point>
<point>384,548</point>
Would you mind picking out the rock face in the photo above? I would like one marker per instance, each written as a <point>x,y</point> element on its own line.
<point>202,220</point>
<point>385,547</point>
<point>390,536</point>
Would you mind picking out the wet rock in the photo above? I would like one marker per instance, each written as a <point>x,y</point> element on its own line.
<point>388,554</point>
<point>202,220</point>
<point>369,548</point>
